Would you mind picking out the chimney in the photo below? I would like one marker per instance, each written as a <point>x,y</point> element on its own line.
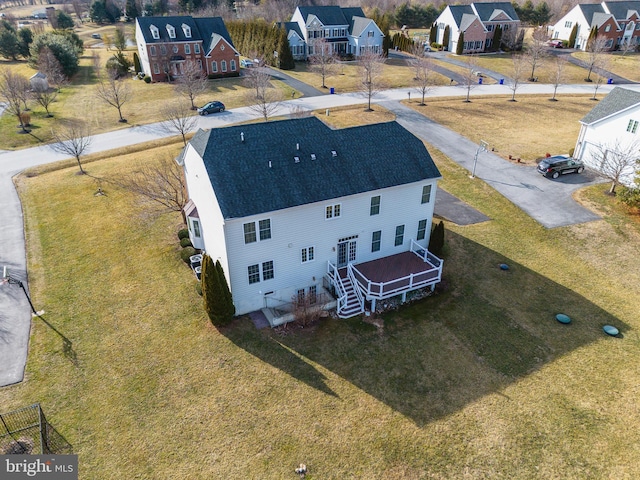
<point>242,137</point>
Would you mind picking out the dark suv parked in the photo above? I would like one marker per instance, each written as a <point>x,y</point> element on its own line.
<point>553,167</point>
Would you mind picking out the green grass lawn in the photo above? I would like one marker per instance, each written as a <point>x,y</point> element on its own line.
<point>527,129</point>
<point>478,381</point>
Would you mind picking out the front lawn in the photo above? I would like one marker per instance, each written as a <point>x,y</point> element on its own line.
<point>478,381</point>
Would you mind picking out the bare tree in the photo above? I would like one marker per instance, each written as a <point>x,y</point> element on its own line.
<point>536,50</point>
<point>50,66</point>
<point>192,83</point>
<point>13,89</point>
<point>595,54</point>
<point>324,60</point>
<point>423,71</point>
<point>517,74</point>
<point>370,65</point>
<point>469,77</point>
<point>266,99</point>
<point>162,182</point>
<point>512,38</point>
<point>557,76</point>
<point>179,119</point>
<point>601,72</point>
<point>115,92</point>
<point>73,139</point>
<point>616,160</point>
<point>43,94</point>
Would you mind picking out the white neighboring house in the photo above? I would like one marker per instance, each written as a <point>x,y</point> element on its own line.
<point>294,207</point>
<point>614,123</point>
<point>346,29</point>
<point>619,22</point>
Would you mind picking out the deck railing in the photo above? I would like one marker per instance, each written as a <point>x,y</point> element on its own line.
<point>353,279</point>
<point>430,276</point>
<point>336,281</point>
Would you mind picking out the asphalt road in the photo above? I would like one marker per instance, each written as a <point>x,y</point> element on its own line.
<point>547,201</point>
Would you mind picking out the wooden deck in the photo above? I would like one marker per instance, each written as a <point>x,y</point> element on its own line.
<point>394,274</point>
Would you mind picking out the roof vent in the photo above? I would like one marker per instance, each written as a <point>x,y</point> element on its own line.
<point>297,146</point>
<point>296,159</point>
<point>242,136</point>
<point>269,163</point>
<point>334,153</point>
<point>313,156</point>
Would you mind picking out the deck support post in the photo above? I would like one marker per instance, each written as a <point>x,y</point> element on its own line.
<point>373,305</point>
<point>404,297</point>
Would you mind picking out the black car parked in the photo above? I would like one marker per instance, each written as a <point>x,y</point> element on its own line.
<point>553,167</point>
<point>211,107</point>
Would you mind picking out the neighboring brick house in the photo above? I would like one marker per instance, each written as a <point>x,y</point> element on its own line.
<point>165,44</point>
<point>618,22</point>
<point>296,208</point>
<point>478,22</point>
<point>347,30</point>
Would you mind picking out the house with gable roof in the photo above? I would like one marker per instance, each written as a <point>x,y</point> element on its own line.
<point>478,22</point>
<point>614,123</point>
<point>347,30</point>
<point>618,22</point>
<point>295,209</point>
<point>165,44</point>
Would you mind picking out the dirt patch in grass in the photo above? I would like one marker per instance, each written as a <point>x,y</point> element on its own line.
<point>343,117</point>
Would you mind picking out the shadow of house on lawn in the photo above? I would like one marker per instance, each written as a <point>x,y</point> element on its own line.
<point>488,329</point>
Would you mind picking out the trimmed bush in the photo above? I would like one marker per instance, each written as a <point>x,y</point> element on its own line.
<point>186,253</point>
<point>436,242</point>
<point>147,79</point>
<point>215,293</point>
<point>630,196</point>
<point>185,242</point>
<point>183,233</point>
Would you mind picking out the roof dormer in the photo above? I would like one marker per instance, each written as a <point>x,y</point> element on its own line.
<point>171,31</point>
<point>187,30</point>
<point>155,33</point>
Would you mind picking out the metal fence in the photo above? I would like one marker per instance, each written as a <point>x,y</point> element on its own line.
<point>26,431</point>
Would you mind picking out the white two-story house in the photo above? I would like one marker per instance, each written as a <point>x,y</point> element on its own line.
<point>617,22</point>
<point>612,128</point>
<point>295,208</point>
<point>347,30</point>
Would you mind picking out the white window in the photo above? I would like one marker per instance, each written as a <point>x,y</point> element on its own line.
<point>490,28</point>
<point>253,271</point>
<point>333,211</point>
<point>370,34</point>
<point>607,28</point>
<point>632,127</point>
<point>233,65</point>
<point>568,24</point>
<point>375,205</point>
<point>254,230</point>
<point>214,66</point>
<point>175,49</point>
<point>313,294</point>
<point>171,31</point>
<point>163,49</point>
<point>399,235</point>
<point>199,63</point>
<point>223,64</point>
<point>376,238</point>
<point>187,49</point>
<point>426,194</point>
<point>422,230</point>
<point>196,48</point>
<point>196,228</point>
<point>155,33</point>
<point>156,69</point>
<point>152,50</point>
<point>307,254</point>
<point>187,30</point>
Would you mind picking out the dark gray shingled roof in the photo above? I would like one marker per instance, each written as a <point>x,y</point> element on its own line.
<point>328,15</point>
<point>289,26</point>
<point>620,9</point>
<point>201,28</point>
<point>367,158</point>
<point>457,11</point>
<point>486,9</point>
<point>618,99</point>
<point>589,9</point>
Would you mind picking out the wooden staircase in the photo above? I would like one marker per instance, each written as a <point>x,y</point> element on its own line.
<point>353,305</point>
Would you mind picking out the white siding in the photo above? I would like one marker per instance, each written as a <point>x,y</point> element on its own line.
<point>211,222</point>
<point>364,41</point>
<point>295,228</point>
<point>608,132</point>
<point>142,51</point>
<point>446,18</point>
<point>562,32</point>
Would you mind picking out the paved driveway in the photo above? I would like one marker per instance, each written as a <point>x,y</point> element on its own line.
<point>547,201</point>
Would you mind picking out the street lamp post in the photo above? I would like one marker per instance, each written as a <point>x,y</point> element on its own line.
<point>481,148</point>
